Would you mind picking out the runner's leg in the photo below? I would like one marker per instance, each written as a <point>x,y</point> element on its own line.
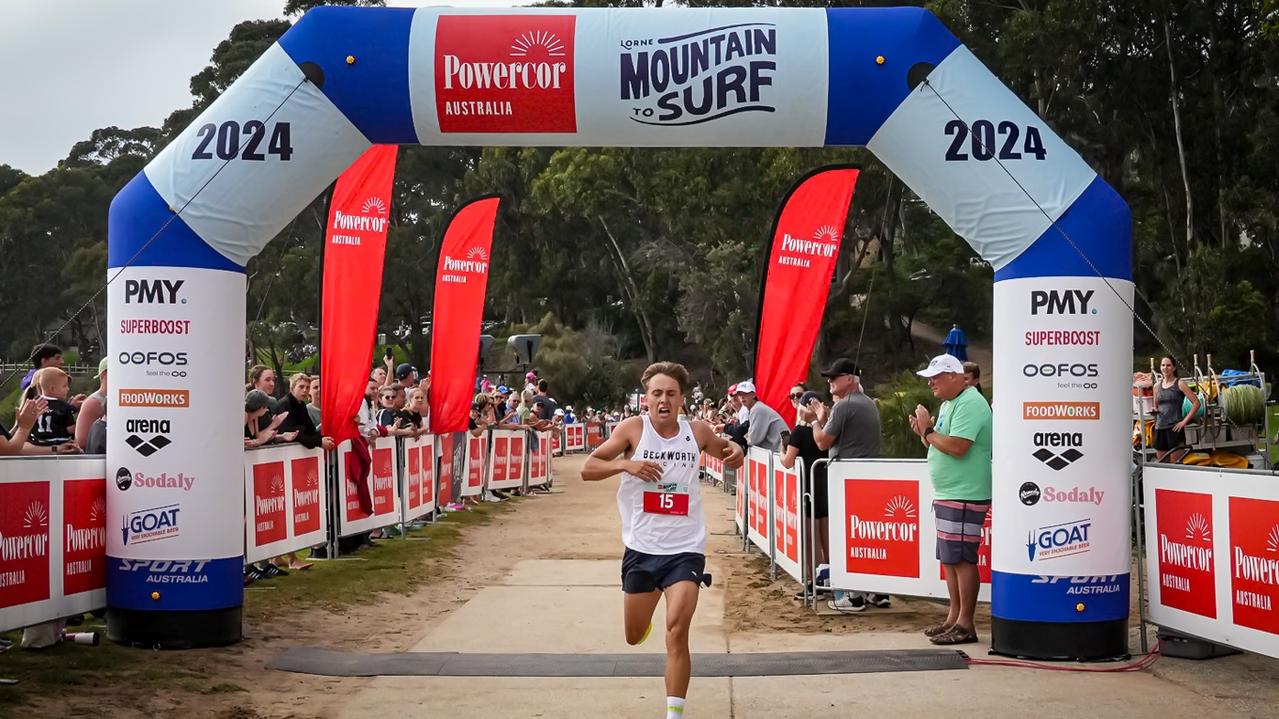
<point>681,602</point>
<point>637,612</point>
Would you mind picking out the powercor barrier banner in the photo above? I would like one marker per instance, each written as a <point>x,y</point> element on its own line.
<point>461,279</point>
<point>796,280</point>
<point>354,249</point>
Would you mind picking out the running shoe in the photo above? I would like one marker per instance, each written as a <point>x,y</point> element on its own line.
<point>849,603</point>
<point>883,601</point>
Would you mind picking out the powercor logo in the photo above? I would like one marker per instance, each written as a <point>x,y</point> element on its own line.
<point>150,525</point>
<point>1048,444</point>
<point>1061,302</point>
<point>167,571</point>
<point>1061,410</point>
<point>475,263</point>
<point>699,76</point>
<point>796,252</point>
<point>1186,578</point>
<point>153,292</point>
<point>170,398</point>
<point>1059,540</point>
<point>372,219</point>
<point>28,544</point>
<point>1254,562</point>
<point>505,73</point>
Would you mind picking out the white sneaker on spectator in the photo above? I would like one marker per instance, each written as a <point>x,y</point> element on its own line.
<point>848,603</point>
<point>492,497</point>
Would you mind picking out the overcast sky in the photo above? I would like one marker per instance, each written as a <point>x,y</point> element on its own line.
<point>68,67</point>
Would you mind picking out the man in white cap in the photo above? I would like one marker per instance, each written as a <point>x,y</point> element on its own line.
<point>765,425</point>
<point>959,457</point>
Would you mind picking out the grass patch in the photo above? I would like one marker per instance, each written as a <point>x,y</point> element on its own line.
<point>396,566</point>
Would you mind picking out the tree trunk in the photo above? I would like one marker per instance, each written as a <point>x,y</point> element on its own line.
<point>1181,144</point>
<point>632,294</point>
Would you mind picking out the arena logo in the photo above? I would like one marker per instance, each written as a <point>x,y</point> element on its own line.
<point>151,525</point>
<point>147,447</point>
<point>700,76</point>
<point>823,246</point>
<point>1059,540</point>
<point>505,73</point>
<point>1058,461</point>
<point>153,292</point>
<point>1063,338</point>
<point>372,218</point>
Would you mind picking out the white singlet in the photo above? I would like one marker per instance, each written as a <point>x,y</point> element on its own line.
<point>650,529</point>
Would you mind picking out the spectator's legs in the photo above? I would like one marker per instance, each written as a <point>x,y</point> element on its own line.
<point>823,540</point>
<point>969,582</point>
<point>952,587</point>
<point>681,602</point>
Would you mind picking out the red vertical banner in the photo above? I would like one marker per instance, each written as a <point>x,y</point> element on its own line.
<point>354,250</point>
<point>461,279</point>
<point>306,495</point>
<point>796,280</point>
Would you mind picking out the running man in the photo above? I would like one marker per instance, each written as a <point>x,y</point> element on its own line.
<point>663,527</point>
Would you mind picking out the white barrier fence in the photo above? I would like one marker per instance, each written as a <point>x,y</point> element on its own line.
<point>285,501</point>
<point>1212,554</point>
<point>53,538</point>
<point>53,519</point>
<point>575,437</point>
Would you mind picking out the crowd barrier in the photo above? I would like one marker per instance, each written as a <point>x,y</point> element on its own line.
<point>1212,554</point>
<point>758,515</point>
<point>53,520</point>
<point>557,443</point>
<point>53,538</point>
<point>594,435</point>
<point>575,437</point>
<point>505,467</point>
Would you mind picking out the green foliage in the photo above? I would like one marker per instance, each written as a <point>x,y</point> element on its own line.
<point>897,400</point>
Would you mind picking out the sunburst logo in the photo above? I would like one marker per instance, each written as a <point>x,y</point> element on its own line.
<point>1197,528</point>
<point>277,485</point>
<point>98,512</point>
<point>900,504</point>
<point>826,233</point>
<point>546,40</point>
<point>1272,541</point>
<point>36,516</point>
<point>477,253</point>
<point>374,205</point>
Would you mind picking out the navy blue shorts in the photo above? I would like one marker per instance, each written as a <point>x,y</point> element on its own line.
<point>643,573</point>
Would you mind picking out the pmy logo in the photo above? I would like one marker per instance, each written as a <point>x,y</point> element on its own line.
<point>153,292</point>
<point>699,76</point>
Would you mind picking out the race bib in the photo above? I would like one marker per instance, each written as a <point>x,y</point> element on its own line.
<point>670,498</point>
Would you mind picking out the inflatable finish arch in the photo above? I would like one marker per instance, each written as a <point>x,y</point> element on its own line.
<point>893,80</point>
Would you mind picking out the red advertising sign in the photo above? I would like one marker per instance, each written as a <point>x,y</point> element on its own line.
<point>413,482</point>
<point>555,442</point>
<point>535,472</point>
<point>516,470</point>
<point>353,511</point>
<point>446,467</point>
<point>354,251</point>
<point>505,73</point>
<point>84,519</point>
<point>24,543</point>
<point>427,460</point>
<point>268,503</point>
<point>779,510</point>
<point>786,511</point>
<point>805,250</point>
<point>383,480</point>
<point>882,527</point>
<point>501,454</point>
<point>1183,525</point>
<point>306,495</point>
<point>461,279</point>
<point>475,464</point>
<point>1254,562</point>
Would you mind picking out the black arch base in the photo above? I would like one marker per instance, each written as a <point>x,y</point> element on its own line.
<point>175,630</point>
<point>1060,641</point>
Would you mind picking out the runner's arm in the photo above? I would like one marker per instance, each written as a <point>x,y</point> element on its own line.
<point>717,446</point>
<point>610,457</point>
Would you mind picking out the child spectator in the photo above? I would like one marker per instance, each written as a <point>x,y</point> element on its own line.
<point>56,425</point>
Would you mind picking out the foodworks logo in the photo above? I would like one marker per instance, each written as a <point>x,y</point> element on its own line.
<point>799,253</point>
<point>1061,410</point>
<point>167,571</point>
<point>168,398</point>
<point>1049,442</point>
<point>1059,540</point>
<point>475,263</point>
<point>505,73</point>
<point>1061,302</point>
<point>700,76</point>
<point>153,292</point>
<point>150,525</point>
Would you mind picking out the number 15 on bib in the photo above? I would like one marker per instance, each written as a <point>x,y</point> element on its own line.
<point>671,498</point>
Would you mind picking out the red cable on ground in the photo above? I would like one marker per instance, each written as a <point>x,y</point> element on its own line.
<point>1141,664</point>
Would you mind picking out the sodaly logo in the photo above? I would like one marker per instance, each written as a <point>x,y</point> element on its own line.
<point>153,292</point>
<point>124,479</point>
<point>1048,444</point>
<point>145,446</point>
<point>505,73</point>
<point>1061,302</point>
<point>799,253</point>
<point>699,76</point>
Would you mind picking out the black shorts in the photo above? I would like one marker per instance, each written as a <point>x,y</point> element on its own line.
<point>1166,439</point>
<point>821,498</point>
<point>643,573</point>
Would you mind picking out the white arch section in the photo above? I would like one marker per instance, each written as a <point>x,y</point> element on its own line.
<point>891,79</point>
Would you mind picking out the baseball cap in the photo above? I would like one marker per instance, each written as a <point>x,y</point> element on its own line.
<point>256,400</point>
<point>843,365</point>
<point>732,390</point>
<point>530,375</point>
<point>747,387</point>
<point>942,364</point>
<point>404,370</point>
<point>559,413</point>
<point>102,366</point>
<point>503,389</point>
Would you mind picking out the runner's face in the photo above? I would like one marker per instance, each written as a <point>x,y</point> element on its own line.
<point>664,396</point>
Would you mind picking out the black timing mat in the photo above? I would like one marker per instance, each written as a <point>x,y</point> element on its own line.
<point>328,662</point>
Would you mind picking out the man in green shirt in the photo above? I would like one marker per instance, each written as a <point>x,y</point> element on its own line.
<point>959,467</point>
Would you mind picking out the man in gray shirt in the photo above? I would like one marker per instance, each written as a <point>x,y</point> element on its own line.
<point>765,425</point>
<point>849,429</point>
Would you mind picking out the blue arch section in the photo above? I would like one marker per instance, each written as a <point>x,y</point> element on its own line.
<point>373,92</point>
<point>137,222</point>
<point>862,94</point>
<point>1099,224</point>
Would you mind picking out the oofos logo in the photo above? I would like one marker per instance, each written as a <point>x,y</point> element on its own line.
<point>154,359</point>
<point>1061,369</point>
